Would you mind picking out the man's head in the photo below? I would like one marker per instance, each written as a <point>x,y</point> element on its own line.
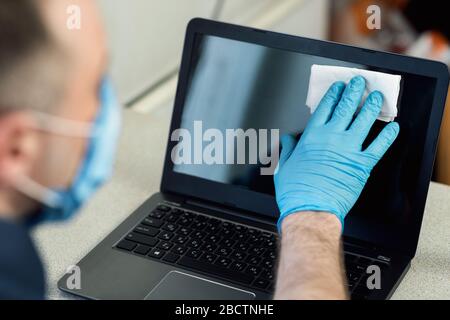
<point>48,68</point>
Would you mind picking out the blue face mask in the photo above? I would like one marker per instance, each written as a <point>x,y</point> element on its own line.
<point>95,169</point>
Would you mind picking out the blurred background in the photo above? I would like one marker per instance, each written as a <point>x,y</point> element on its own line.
<point>146,39</point>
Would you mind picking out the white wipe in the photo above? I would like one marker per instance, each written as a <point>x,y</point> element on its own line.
<point>322,77</point>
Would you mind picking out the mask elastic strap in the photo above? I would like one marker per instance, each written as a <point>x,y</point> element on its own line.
<point>62,126</point>
<point>37,192</point>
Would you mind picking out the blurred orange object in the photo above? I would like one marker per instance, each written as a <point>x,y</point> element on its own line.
<point>352,23</point>
<point>359,11</point>
<point>443,154</point>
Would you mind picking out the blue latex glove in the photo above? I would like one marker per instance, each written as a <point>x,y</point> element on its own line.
<point>327,169</point>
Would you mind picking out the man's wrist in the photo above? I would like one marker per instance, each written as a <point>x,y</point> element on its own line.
<point>314,221</point>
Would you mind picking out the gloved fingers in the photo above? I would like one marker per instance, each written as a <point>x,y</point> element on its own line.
<point>369,113</point>
<point>346,108</point>
<point>384,140</point>
<point>288,144</point>
<point>327,104</point>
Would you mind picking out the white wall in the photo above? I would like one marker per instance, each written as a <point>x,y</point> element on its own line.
<point>146,36</point>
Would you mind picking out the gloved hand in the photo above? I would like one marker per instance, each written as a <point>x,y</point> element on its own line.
<point>327,169</point>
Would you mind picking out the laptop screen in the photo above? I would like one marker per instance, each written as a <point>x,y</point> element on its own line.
<point>239,85</point>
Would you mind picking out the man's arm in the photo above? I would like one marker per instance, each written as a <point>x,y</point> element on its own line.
<point>310,266</point>
<point>318,181</point>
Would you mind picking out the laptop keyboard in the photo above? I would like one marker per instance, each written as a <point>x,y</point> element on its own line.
<point>220,248</point>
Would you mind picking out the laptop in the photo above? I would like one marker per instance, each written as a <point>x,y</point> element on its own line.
<point>210,233</point>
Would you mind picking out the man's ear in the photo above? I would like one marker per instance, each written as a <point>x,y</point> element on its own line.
<point>18,146</point>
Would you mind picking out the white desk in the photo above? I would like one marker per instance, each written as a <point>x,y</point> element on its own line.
<point>137,176</point>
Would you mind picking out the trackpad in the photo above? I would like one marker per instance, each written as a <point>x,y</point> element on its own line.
<point>182,286</point>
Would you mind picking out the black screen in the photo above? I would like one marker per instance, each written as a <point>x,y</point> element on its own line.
<point>235,84</point>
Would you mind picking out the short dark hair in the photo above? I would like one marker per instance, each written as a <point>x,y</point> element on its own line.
<point>27,75</point>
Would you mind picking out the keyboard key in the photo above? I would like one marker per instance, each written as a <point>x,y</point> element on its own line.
<point>239,255</point>
<point>194,253</point>
<point>213,238</point>
<point>269,243</point>
<point>253,260</point>
<point>216,270</point>
<point>126,245</point>
<point>157,223</point>
<point>271,254</point>
<point>198,235</point>
<point>211,228</point>
<point>224,262</point>
<point>353,267</point>
<point>238,266</point>
<point>171,257</point>
<point>255,240</point>
<point>198,225</point>
<point>184,222</point>
<point>209,247</point>
<point>149,231</point>
<point>268,263</point>
<point>179,249</point>
<point>165,235</point>
<point>227,233</point>
<point>227,243</point>
<point>208,257</point>
<point>267,235</point>
<point>180,239</point>
<point>156,214</point>
<point>253,232</point>
<point>140,238</point>
<point>165,245</point>
<point>156,253</point>
<point>177,211</point>
<point>227,225</point>
<point>142,249</point>
<point>240,237</point>
<point>257,251</point>
<point>225,252</point>
<point>194,243</point>
<point>184,231</point>
<point>242,246</point>
<point>171,217</point>
<point>353,277</point>
<point>163,208</point>
<point>267,274</point>
<point>260,283</point>
<point>240,228</point>
<point>170,227</point>
<point>253,270</point>
<point>188,215</point>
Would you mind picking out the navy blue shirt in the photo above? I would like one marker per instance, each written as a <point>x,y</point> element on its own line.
<point>21,271</point>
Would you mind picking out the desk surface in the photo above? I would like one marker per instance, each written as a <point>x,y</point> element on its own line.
<point>137,176</point>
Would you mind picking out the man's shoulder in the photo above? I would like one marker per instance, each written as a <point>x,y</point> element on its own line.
<point>21,271</point>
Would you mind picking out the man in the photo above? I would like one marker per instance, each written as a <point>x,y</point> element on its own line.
<point>58,122</point>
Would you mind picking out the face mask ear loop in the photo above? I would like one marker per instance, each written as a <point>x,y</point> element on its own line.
<point>37,192</point>
<point>62,126</point>
<point>59,126</point>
